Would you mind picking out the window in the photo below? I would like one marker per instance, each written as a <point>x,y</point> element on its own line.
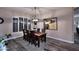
<point>29,25</point>
<point>19,24</point>
<point>15,24</point>
<point>25,23</point>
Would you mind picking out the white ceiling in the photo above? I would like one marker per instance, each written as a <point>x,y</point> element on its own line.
<point>30,10</point>
<point>41,11</point>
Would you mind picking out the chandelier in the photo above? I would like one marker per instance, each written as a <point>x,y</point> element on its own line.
<point>35,19</point>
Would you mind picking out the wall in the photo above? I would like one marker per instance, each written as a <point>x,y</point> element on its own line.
<point>65,20</point>
<point>7,15</point>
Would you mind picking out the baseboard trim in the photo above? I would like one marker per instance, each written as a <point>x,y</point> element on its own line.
<point>60,39</point>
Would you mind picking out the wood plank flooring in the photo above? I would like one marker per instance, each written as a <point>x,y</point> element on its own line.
<point>21,45</point>
<point>56,45</point>
<point>51,45</point>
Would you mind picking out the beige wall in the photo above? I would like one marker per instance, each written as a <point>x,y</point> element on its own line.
<point>65,20</point>
<point>7,15</point>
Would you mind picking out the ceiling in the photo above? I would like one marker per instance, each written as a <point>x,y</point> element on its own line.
<point>30,10</point>
<point>40,11</point>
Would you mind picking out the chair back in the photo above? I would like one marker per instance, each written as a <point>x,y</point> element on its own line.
<point>43,30</point>
<point>38,30</point>
<point>25,34</point>
<point>32,33</point>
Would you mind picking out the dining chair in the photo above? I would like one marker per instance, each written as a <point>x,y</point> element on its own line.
<point>38,30</point>
<point>43,30</point>
<point>33,38</point>
<point>43,37</point>
<point>25,34</point>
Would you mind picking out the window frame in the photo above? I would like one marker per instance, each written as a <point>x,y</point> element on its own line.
<point>18,23</point>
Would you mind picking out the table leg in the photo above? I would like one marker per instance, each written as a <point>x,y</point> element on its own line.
<point>44,39</point>
<point>38,43</point>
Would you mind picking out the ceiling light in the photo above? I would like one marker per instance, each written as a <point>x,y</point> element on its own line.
<point>35,19</point>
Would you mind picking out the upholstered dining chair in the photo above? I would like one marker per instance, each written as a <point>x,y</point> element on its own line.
<point>25,34</point>
<point>33,38</point>
<point>38,30</point>
<point>43,38</point>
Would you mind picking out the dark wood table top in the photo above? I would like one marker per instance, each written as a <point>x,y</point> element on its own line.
<point>39,33</point>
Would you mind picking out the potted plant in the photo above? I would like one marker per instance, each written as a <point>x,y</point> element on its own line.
<point>2,44</point>
<point>8,35</point>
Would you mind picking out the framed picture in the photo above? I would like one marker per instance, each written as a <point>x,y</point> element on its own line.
<point>1,20</point>
<point>51,23</point>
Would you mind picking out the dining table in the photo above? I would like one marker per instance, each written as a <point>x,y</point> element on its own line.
<point>40,35</point>
<point>36,37</point>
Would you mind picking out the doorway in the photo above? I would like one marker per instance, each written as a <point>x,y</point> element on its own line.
<point>76,25</point>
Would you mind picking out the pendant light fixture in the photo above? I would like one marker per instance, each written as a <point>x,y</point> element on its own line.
<point>35,19</point>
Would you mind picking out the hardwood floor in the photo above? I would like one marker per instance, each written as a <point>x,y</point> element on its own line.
<point>14,46</point>
<point>22,45</point>
<point>51,45</point>
<point>56,45</point>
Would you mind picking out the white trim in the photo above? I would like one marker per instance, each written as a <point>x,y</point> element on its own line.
<point>61,39</point>
<point>18,24</point>
<point>14,36</point>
